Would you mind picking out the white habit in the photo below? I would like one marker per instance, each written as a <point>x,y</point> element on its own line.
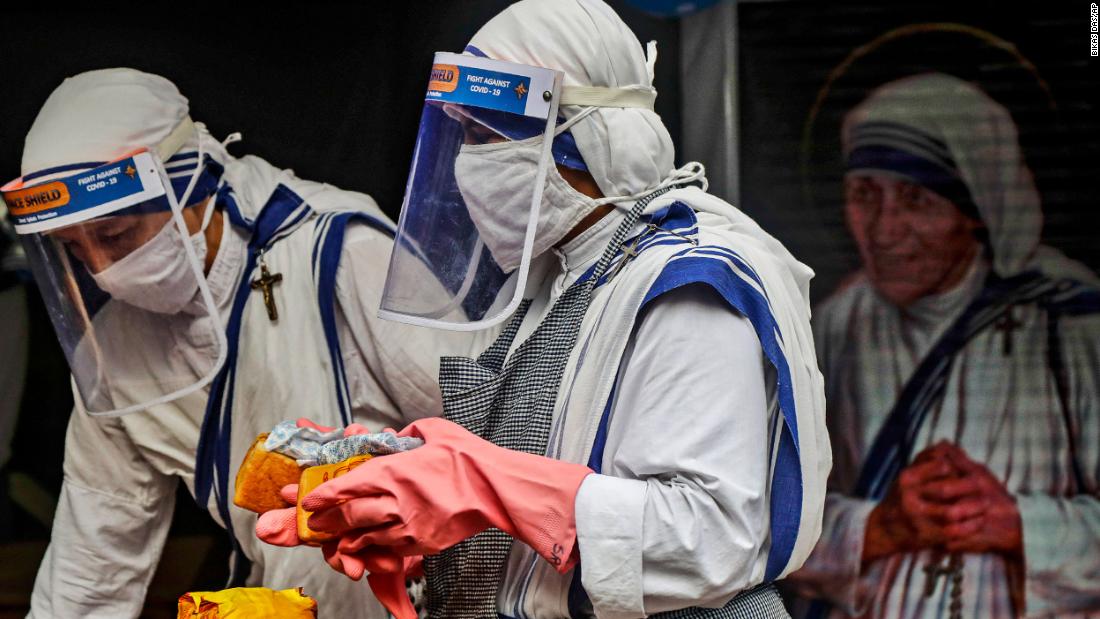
<point>121,474</point>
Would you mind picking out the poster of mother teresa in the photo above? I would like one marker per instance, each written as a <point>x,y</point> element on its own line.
<point>960,344</point>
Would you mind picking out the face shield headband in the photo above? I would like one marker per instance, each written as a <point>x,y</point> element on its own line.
<point>68,194</point>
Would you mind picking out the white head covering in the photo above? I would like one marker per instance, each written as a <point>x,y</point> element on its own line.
<point>627,150</point>
<point>100,116</point>
<point>982,148</point>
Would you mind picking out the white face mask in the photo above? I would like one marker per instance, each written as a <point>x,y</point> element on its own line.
<point>496,182</point>
<point>156,276</point>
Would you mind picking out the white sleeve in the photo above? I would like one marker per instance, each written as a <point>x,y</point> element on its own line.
<point>1061,534</point>
<point>680,516</point>
<point>392,368</point>
<point>110,526</point>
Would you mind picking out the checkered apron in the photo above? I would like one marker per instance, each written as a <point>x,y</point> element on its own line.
<point>511,404</point>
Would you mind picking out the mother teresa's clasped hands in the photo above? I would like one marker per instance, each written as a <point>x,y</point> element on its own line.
<point>945,501</point>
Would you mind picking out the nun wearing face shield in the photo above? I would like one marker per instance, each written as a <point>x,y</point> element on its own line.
<point>646,436</point>
<point>200,299</point>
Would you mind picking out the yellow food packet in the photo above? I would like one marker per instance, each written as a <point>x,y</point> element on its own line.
<point>247,603</point>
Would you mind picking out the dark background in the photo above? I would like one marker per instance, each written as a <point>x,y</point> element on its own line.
<point>332,91</point>
<point>791,171</point>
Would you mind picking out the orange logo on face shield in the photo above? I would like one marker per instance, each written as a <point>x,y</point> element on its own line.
<point>44,197</point>
<point>444,78</point>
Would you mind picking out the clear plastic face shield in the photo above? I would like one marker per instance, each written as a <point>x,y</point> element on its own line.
<point>122,277</point>
<point>464,241</point>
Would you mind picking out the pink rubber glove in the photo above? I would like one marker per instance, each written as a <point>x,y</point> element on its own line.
<point>455,486</point>
<point>351,430</point>
<point>386,570</point>
<point>386,574</point>
<point>305,422</point>
<point>279,527</point>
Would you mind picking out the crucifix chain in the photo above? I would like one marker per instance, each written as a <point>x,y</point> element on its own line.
<point>953,569</point>
<point>631,251</point>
